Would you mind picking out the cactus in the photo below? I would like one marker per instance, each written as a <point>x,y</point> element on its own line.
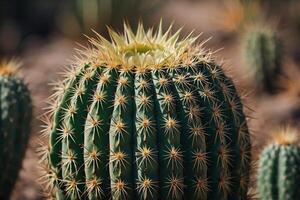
<point>263,54</point>
<point>96,13</point>
<point>91,14</point>
<point>279,171</point>
<point>15,113</point>
<point>147,116</point>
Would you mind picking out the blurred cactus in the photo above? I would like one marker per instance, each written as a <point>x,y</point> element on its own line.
<point>279,168</point>
<point>84,15</point>
<point>94,13</point>
<point>14,125</point>
<point>263,54</point>
<point>234,15</point>
<point>147,116</point>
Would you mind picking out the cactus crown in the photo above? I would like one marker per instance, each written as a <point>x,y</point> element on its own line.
<point>9,67</point>
<point>151,49</point>
<point>286,136</point>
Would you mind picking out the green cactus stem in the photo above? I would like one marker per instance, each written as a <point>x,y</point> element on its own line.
<point>15,117</point>
<point>147,116</point>
<point>279,171</point>
<point>263,54</point>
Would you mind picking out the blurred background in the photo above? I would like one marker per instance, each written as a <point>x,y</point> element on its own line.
<point>257,39</point>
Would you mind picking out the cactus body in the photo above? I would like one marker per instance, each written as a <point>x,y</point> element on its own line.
<point>279,172</point>
<point>136,124</point>
<point>263,54</point>
<point>14,126</point>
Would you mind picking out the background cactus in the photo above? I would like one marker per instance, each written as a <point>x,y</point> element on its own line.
<point>15,119</point>
<point>96,12</point>
<point>147,116</point>
<point>263,54</point>
<point>279,171</point>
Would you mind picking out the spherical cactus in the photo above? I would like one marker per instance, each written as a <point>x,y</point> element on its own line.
<point>279,168</point>
<point>15,116</point>
<point>263,54</point>
<point>147,116</point>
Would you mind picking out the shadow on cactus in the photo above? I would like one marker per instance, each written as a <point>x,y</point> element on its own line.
<point>279,171</point>
<point>147,115</point>
<point>15,117</point>
<point>263,55</point>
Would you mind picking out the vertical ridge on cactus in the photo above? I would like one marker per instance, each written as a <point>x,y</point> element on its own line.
<point>15,117</point>
<point>147,115</point>
<point>279,170</point>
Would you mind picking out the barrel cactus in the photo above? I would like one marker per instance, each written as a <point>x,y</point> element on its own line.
<point>263,54</point>
<point>149,116</point>
<point>279,168</point>
<point>15,113</point>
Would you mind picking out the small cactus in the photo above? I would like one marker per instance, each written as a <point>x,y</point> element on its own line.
<point>15,116</point>
<point>279,168</point>
<point>147,116</point>
<point>263,54</point>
